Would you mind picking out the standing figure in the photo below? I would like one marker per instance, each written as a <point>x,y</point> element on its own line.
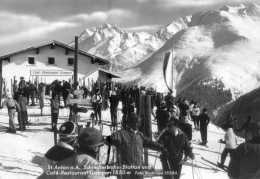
<point>130,145</point>
<point>230,144</point>
<point>204,121</point>
<point>23,115</point>
<point>22,84</point>
<point>32,92</point>
<point>65,91</point>
<point>41,92</point>
<point>176,144</point>
<point>85,160</point>
<point>169,99</point>
<point>55,105</point>
<point>114,101</point>
<point>195,115</point>
<point>185,119</point>
<point>12,106</point>
<point>97,105</point>
<point>162,116</point>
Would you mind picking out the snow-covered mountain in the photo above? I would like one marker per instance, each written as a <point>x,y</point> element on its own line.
<point>216,56</point>
<point>175,26</point>
<point>124,49</point>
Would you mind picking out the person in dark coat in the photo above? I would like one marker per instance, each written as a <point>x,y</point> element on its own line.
<point>65,148</point>
<point>55,105</point>
<point>65,91</point>
<point>114,101</point>
<point>204,121</point>
<point>177,145</point>
<point>245,159</point>
<point>32,90</point>
<point>162,116</point>
<point>130,144</point>
<point>97,105</point>
<point>169,99</point>
<point>22,115</point>
<point>22,84</point>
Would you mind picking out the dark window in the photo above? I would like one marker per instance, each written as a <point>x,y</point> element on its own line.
<point>51,60</point>
<point>70,61</point>
<point>31,60</point>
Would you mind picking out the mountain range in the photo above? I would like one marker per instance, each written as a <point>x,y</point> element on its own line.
<point>216,55</point>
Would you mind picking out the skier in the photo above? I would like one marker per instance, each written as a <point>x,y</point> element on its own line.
<point>32,90</point>
<point>97,105</point>
<point>130,143</point>
<point>195,115</point>
<point>23,114</point>
<point>65,148</point>
<point>114,101</point>
<point>162,116</point>
<point>204,121</point>
<point>169,99</point>
<point>85,160</point>
<point>41,94</point>
<point>12,107</point>
<point>176,144</point>
<point>185,123</point>
<point>65,91</point>
<point>55,105</point>
<point>67,144</point>
<point>245,160</point>
<point>230,144</point>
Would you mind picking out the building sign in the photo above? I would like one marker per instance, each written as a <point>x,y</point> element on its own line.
<point>51,73</point>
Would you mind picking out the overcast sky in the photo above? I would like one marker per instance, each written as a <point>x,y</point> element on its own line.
<point>27,22</point>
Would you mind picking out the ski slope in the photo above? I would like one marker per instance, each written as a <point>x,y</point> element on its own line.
<point>21,154</point>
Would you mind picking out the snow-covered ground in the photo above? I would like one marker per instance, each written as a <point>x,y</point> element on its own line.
<point>21,154</point>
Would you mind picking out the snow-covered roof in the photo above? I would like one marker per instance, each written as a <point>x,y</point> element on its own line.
<point>113,75</point>
<point>60,44</point>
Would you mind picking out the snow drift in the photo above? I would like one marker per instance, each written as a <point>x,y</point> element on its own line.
<point>216,58</point>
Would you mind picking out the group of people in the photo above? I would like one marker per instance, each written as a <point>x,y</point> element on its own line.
<point>176,119</point>
<point>186,113</point>
<point>17,102</point>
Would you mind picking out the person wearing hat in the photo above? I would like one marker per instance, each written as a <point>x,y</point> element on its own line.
<point>67,144</point>
<point>85,160</point>
<point>130,143</point>
<point>176,144</point>
<point>65,148</point>
<point>245,159</point>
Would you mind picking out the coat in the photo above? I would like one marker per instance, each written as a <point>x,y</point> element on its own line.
<point>130,145</point>
<point>176,146</point>
<point>245,160</point>
<point>81,163</point>
<point>77,166</point>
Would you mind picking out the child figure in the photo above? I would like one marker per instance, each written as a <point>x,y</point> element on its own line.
<point>12,107</point>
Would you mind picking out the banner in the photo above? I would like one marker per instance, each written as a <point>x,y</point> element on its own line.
<point>51,73</point>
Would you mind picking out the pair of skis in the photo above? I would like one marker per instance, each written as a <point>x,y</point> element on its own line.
<point>215,165</point>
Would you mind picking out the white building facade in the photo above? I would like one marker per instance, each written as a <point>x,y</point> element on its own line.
<point>48,62</point>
